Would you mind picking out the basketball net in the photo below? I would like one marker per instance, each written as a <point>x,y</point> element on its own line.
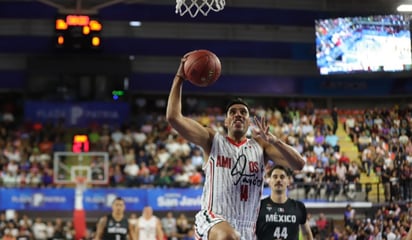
<point>81,183</point>
<point>194,7</point>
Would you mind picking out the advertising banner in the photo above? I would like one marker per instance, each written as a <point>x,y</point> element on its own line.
<point>102,199</point>
<point>175,199</point>
<point>96,199</point>
<point>37,199</point>
<point>77,114</point>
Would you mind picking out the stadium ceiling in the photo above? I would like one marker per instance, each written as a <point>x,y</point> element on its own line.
<point>93,6</point>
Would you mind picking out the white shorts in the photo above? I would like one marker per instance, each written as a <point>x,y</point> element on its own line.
<point>205,220</point>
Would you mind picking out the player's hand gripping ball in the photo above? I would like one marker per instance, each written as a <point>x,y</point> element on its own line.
<point>202,68</point>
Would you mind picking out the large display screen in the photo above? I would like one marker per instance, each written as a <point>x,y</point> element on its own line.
<point>363,44</point>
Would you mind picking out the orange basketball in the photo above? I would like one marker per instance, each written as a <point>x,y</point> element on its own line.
<point>202,68</point>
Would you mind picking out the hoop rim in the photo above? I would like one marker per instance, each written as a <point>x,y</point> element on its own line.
<point>79,180</point>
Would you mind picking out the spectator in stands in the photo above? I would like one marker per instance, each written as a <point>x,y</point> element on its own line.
<point>169,226</point>
<point>368,154</point>
<point>183,225</point>
<point>332,140</point>
<point>322,224</point>
<point>131,171</point>
<point>24,233</point>
<point>58,230</point>
<point>405,181</point>
<point>142,156</point>
<point>349,216</point>
<point>332,185</point>
<point>344,159</point>
<point>335,119</point>
<point>145,178</point>
<point>39,229</point>
<point>115,176</point>
<point>388,234</point>
<point>394,185</point>
<point>190,235</point>
<point>50,230</point>
<point>68,230</point>
<point>318,149</point>
<point>197,158</point>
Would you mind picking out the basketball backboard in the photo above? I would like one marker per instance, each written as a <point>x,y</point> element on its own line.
<point>93,166</point>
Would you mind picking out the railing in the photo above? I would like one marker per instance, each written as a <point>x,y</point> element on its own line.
<point>369,192</point>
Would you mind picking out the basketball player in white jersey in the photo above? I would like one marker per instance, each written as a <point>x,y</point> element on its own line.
<point>115,226</point>
<point>280,217</point>
<point>148,226</point>
<point>234,168</point>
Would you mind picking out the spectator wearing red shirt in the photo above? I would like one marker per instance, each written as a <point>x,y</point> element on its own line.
<point>322,225</point>
<point>344,159</point>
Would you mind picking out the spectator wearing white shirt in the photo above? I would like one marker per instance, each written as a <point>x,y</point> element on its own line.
<point>139,137</point>
<point>9,179</point>
<point>197,158</point>
<point>39,229</point>
<point>389,234</point>
<point>307,128</point>
<point>49,230</point>
<point>12,167</point>
<point>117,135</point>
<point>318,149</point>
<point>131,171</point>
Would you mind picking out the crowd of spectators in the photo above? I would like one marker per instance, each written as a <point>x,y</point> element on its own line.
<point>385,222</point>
<point>23,227</point>
<point>383,138</point>
<point>148,153</point>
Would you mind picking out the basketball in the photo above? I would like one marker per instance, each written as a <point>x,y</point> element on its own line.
<point>202,68</point>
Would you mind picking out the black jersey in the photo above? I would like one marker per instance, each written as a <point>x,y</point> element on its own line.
<point>116,230</point>
<point>280,221</point>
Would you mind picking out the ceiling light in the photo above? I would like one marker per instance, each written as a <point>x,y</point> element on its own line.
<point>135,23</point>
<point>404,8</point>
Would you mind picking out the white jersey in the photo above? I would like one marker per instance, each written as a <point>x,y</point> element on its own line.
<point>147,228</point>
<point>234,182</point>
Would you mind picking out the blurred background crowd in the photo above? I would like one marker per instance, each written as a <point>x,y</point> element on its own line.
<point>149,154</point>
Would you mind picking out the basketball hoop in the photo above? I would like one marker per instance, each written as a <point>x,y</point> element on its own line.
<point>81,183</point>
<point>194,7</point>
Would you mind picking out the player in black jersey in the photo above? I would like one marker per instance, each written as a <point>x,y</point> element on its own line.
<point>115,226</point>
<point>280,217</point>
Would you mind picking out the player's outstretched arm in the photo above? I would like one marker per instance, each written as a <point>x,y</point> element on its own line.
<point>100,228</point>
<point>306,231</point>
<point>188,128</point>
<point>276,150</point>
